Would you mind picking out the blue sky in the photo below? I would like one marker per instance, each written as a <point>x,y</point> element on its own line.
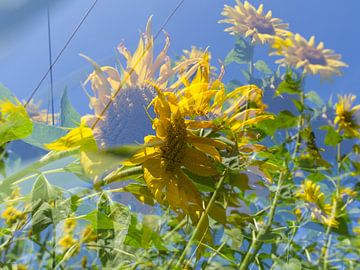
<point>24,49</point>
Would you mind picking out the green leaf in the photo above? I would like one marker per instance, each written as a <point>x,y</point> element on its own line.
<point>239,180</point>
<point>263,67</point>
<point>332,137</point>
<point>290,85</point>
<point>44,134</point>
<point>41,218</point>
<point>42,190</point>
<point>99,220</point>
<point>69,117</point>
<point>141,192</point>
<point>300,106</point>
<point>14,121</point>
<point>286,119</point>
<point>218,213</point>
<point>314,98</point>
<point>5,94</point>
<point>241,54</point>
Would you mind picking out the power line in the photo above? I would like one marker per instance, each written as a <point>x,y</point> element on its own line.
<point>137,62</point>
<point>51,69</point>
<point>61,52</point>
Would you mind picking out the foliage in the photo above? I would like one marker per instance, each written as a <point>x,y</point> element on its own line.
<point>225,181</point>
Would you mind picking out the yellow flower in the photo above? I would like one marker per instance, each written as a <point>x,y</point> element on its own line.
<point>311,194</point>
<point>207,101</point>
<point>130,91</point>
<point>173,149</point>
<point>69,225</point>
<point>21,267</point>
<point>250,22</point>
<point>67,242</point>
<point>12,215</point>
<point>348,117</point>
<point>297,52</point>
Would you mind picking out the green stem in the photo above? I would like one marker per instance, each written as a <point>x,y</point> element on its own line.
<point>34,167</point>
<point>325,251</point>
<point>119,175</point>
<point>300,126</point>
<point>201,221</point>
<point>256,243</point>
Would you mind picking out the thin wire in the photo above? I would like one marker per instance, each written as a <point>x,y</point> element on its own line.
<point>136,63</point>
<point>62,50</point>
<point>51,70</point>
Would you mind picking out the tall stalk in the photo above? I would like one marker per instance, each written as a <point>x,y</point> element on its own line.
<point>201,221</point>
<point>257,240</point>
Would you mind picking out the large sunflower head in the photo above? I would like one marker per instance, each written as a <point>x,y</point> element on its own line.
<point>172,151</point>
<point>130,91</point>
<point>347,116</point>
<point>314,59</point>
<point>250,22</point>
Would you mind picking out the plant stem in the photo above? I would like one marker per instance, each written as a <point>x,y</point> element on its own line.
<point>300,126</point>
<point>325,251</point>
<point>256,241</point>
<point>119,175</point>
<point>201,221</point>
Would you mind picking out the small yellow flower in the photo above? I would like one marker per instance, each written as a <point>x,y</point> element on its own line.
<point>297,52</point>
<point>69,225</point>
<point>357,230</point>
<point>67,242</point>
<point>311,194</point>
<point>348,117</point>
<point>21,267</point>
<point>298,213</point>
<point>348,192</point>
<point>12,215</point>
<point>250,22</point>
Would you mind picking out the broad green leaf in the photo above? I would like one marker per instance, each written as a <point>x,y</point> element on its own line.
<point>332,137</point>
<point>241,54</point>
<point>314,98</point>
<point>14,122</point>
<point>263,67</point>
<point>99,220</point>
<point>41,217</point>
<point>42,190</point>
<point>69,117</point>
<point>290,85</point>
<point>141,192</point>
<point>43,134</point>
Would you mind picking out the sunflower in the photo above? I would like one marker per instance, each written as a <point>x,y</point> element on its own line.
<point>250,22</point>
<point>175,148</point>
<point>348,117</point>
<point>130,91</point>
<point>314,59</point>
<point>314,199</point>
<point>204,98</point>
